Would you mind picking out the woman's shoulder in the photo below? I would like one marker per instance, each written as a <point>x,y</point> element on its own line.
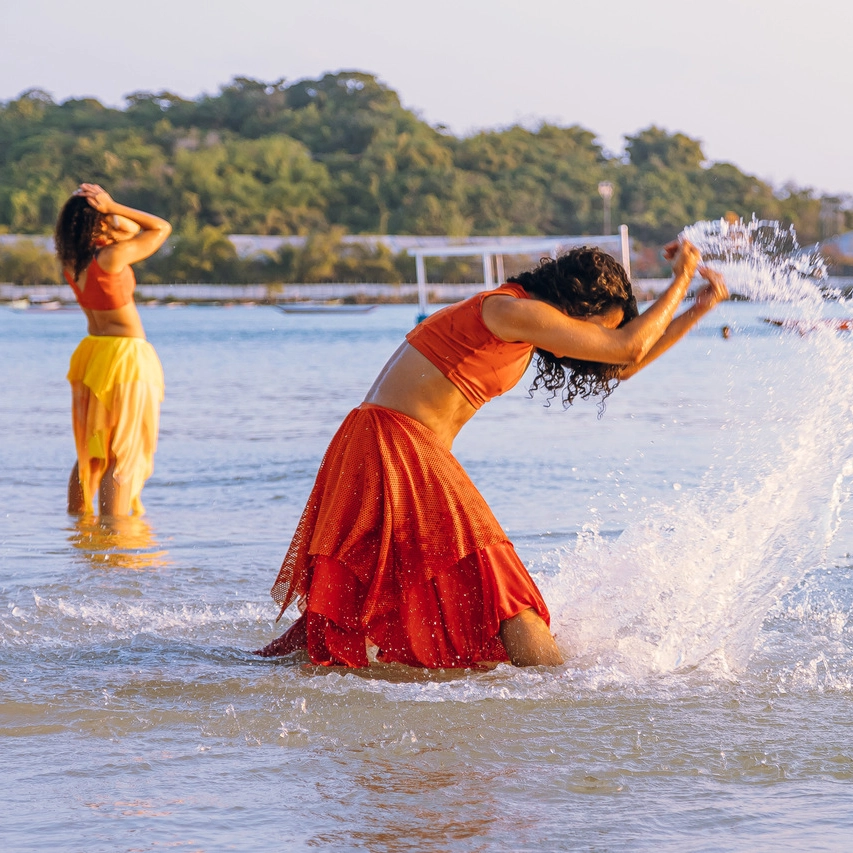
<point>108,262</point>
<point>510,288</point>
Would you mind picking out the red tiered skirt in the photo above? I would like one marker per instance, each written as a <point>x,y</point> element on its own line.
<point>396,547</point>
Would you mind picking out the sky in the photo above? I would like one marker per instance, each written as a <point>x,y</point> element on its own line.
<point>763,84</point>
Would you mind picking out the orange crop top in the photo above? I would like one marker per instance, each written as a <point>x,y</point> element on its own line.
<point>458,342</point>
<point>104,291</point>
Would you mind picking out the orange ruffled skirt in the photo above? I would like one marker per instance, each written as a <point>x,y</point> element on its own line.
<point>116,390</point>
<point>397,548</point>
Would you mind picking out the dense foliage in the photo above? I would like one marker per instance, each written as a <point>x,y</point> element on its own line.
<point>342,155</point>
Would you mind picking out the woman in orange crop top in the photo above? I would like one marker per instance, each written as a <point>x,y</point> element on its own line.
<point>396,551</point>
<point>115,375</point>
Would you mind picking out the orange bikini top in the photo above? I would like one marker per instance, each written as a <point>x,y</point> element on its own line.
<point>104,291</point>
<point>458,342</point>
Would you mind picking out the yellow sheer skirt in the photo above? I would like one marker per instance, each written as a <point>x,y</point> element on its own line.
<point>116,390</point>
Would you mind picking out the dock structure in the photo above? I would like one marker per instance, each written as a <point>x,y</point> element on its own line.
<point>493,250</point>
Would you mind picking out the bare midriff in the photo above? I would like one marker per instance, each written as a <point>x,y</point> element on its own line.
<point>123,322</point>
<point>410,383</point>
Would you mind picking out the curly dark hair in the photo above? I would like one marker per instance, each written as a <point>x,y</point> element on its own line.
<point>77,227</point>
<point>582,283</point>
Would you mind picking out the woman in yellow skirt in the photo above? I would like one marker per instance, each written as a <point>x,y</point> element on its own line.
<point>115,375</point>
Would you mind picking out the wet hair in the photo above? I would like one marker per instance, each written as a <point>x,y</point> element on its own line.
<point>77,227</point>
<point>584,282</point>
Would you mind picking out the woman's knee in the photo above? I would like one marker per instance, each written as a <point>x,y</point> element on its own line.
<point>528,640</point>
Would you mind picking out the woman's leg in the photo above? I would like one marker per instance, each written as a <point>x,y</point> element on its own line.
<point>528,640</point>
<point>113,498</point>
<point>76,500</point>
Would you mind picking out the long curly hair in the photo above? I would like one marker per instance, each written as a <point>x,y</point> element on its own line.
<point>581,283</point>
<point>77,229</point>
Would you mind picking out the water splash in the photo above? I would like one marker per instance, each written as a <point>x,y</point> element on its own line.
<point>691,582</point>
<point>761,259</point>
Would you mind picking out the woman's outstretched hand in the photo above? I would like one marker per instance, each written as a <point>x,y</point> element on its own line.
<point>97,197</point>
<point>684,256</point>
<point>714,292</point>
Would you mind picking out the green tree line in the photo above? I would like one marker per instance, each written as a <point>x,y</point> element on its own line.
<point>323,158</point>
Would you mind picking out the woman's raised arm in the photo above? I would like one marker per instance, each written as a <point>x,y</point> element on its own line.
<point>151,234</point>
<point>714,292</point>
<point>588,338</point>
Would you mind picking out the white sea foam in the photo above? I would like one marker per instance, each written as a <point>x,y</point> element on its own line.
<point>61,621</point>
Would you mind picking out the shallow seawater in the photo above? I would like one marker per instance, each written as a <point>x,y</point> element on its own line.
<point>694,545</point>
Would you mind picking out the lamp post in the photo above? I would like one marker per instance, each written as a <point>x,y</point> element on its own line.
<point>605,190</point>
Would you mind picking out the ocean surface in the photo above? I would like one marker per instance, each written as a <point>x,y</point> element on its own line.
<point>693,543</point>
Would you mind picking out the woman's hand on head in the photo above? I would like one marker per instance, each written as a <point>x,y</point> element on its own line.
<point>685,257</point>
<point>124,228</point>
<point>97,197</point>
<point>714,292</point>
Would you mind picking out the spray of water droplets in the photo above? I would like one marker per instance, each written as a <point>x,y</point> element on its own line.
<point>690,583</point>
<point>760,259</point>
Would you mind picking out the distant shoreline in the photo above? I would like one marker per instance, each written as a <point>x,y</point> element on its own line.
<point>275,294</point>
<point>272,294</point>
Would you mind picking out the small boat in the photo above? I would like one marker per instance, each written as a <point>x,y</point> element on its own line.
<point>837,324</point>
<point>322,308</point>
<point>36,303</point>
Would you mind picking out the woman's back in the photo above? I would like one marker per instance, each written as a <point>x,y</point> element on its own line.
<point>106,298</point>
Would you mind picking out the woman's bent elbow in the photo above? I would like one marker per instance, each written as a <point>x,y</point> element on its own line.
<point>634,354</point>
<point>163,232</point>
